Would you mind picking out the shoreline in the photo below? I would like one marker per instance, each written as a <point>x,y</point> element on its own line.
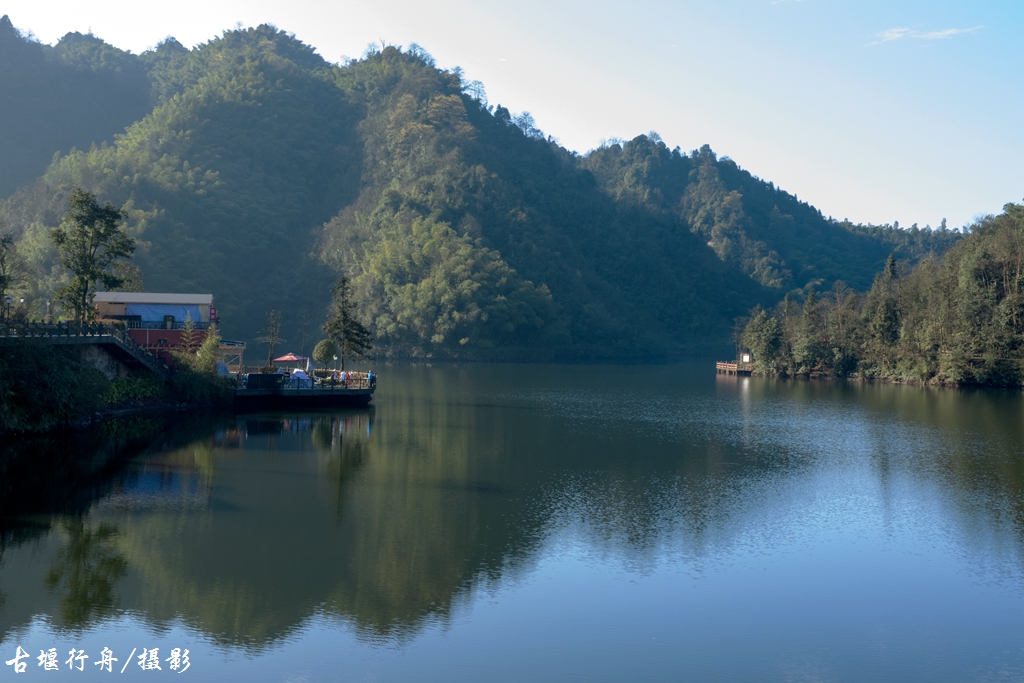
<point>100,416</point>
<point>819,377</point>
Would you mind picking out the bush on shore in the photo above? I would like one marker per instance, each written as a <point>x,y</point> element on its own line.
<point>43,387</point>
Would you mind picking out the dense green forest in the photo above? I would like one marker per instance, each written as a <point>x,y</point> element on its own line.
<point>958,319</point>
<point>251,168</point>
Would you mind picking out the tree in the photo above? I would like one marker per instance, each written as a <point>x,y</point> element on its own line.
<point>763,336</point>
<point>131,277</point>
<point>881,314</point>
<point>325,351</point>
<point>810,340</point>
<point>90,242</point>
<point>188,334</point>
<point>303,324</point>
<point>12,267</point>
<point>271,335</point>
<point>353,339</point>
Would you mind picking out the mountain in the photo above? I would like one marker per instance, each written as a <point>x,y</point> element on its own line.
<point>766,233</point>
<point>72,94</point>
<point>258,171</point>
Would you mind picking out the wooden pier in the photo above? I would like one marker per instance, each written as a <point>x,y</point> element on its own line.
<point>726,368</point>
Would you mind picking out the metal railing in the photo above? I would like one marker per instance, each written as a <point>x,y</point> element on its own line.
<point>158,325</point>
<point>138,351</point>
<point>88,333</point>
<point>353,380</point>
<point>25,330</point>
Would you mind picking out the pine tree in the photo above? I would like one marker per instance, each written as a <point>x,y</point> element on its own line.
<point>353,339</point>
<point>808,348</point>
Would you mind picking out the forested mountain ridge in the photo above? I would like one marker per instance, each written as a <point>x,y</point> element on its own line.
<point>259,170</point>
<point>564,264</point>
<point>767,233</point>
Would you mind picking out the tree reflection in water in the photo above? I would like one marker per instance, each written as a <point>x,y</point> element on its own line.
<point>248,531</point>
<point>85,571</point>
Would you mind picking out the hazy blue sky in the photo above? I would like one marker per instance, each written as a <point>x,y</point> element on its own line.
<point>876,110</point>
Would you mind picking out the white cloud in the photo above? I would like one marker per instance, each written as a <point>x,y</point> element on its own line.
<point>894,34</point>
<point>899,33</point>
<point>935,35</point>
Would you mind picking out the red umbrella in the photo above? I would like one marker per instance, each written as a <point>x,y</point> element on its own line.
<point>290,358</point>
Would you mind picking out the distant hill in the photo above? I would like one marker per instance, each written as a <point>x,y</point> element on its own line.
<point>255,170</point>
<point>766,233</point>
<point>73,94</point>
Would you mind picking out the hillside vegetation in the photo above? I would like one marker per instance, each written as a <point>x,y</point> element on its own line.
<point>253,169</point>
<point>958,319</point>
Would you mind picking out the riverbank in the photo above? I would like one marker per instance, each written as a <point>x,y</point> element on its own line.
<point>122,412</point>
<point>825,377</point>
<point>47,388</point>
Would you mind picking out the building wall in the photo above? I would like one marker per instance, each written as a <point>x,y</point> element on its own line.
<point>162,342</point>
<point>106,310</point>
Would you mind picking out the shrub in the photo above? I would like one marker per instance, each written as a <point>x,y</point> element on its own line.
<point>134,388</point>
<point>195,379</point>
<point>42,387</point>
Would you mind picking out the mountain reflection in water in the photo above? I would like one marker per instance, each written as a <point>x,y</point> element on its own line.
<point>461,482</point>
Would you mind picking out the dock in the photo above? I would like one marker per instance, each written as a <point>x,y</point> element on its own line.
<point>275,391</point>
<point>727,368</point>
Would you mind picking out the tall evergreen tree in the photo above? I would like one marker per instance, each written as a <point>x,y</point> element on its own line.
<point>807,351</point>
<point>343,326</point>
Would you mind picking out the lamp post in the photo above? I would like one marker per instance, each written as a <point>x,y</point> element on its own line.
<point>47,311</point>
<point>7,309</point>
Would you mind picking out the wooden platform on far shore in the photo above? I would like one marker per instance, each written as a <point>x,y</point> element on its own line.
<point>725,368</point>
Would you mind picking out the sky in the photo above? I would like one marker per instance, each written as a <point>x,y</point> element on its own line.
<point>872,110</point>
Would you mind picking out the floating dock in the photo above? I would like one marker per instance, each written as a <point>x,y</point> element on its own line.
<point>267,391</point>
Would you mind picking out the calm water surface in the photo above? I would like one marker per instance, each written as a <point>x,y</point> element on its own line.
<point>533,523</point>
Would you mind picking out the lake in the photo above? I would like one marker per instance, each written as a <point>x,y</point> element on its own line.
<point>532,523</point>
